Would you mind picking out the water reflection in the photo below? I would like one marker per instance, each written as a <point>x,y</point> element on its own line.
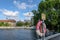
<point>17,34</point>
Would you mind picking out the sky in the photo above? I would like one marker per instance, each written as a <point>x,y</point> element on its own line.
<point>17,9</point>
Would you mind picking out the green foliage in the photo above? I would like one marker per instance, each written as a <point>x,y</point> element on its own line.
<point>1,23</point>
<point>4,24</point>
<point>19,24</point>
<point>27,24</point>
<point>36,16</point>
<point>49,7</point>
<point>52,17</point>
<point>52,10</point>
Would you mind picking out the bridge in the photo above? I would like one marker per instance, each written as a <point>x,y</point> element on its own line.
<point>52,37</point>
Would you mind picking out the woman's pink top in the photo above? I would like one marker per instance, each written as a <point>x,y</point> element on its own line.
<point>38,25</point>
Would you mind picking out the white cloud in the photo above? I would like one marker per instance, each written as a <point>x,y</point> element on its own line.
<point>31,6</point>
<point>9,13</point>
<point>14,1</point>
<point>28,14</point>
<point>22,20</point>
<point>23,5</point>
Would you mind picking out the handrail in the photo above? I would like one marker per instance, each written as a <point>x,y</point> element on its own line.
<point>52,36</point>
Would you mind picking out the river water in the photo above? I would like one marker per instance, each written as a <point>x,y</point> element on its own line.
<point>17,34</point>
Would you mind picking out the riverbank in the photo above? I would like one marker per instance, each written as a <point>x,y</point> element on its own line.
<point>16,27</point>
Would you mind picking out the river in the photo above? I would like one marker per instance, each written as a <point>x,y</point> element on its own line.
<point>17,34</point>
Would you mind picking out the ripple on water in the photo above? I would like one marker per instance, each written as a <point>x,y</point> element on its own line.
<point>17,34</point>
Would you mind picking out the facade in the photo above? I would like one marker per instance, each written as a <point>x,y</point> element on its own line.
<point>9,22</point>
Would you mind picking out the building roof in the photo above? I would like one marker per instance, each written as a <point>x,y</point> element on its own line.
<point>7,21</point>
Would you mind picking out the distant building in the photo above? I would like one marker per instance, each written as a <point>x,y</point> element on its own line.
<point>10,22</point>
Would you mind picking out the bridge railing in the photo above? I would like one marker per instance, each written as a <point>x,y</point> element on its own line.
<point>54,37</point>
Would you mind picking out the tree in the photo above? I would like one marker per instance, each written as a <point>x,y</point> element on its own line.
<point>49,7</point>
<point>52,10</point>
<point>27,23</point>
<point>19,23</point>
<point>4,24</point>
<point>1,23</point>
<point>36,16</point>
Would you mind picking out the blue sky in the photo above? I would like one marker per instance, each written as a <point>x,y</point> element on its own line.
<point>17,9</point>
